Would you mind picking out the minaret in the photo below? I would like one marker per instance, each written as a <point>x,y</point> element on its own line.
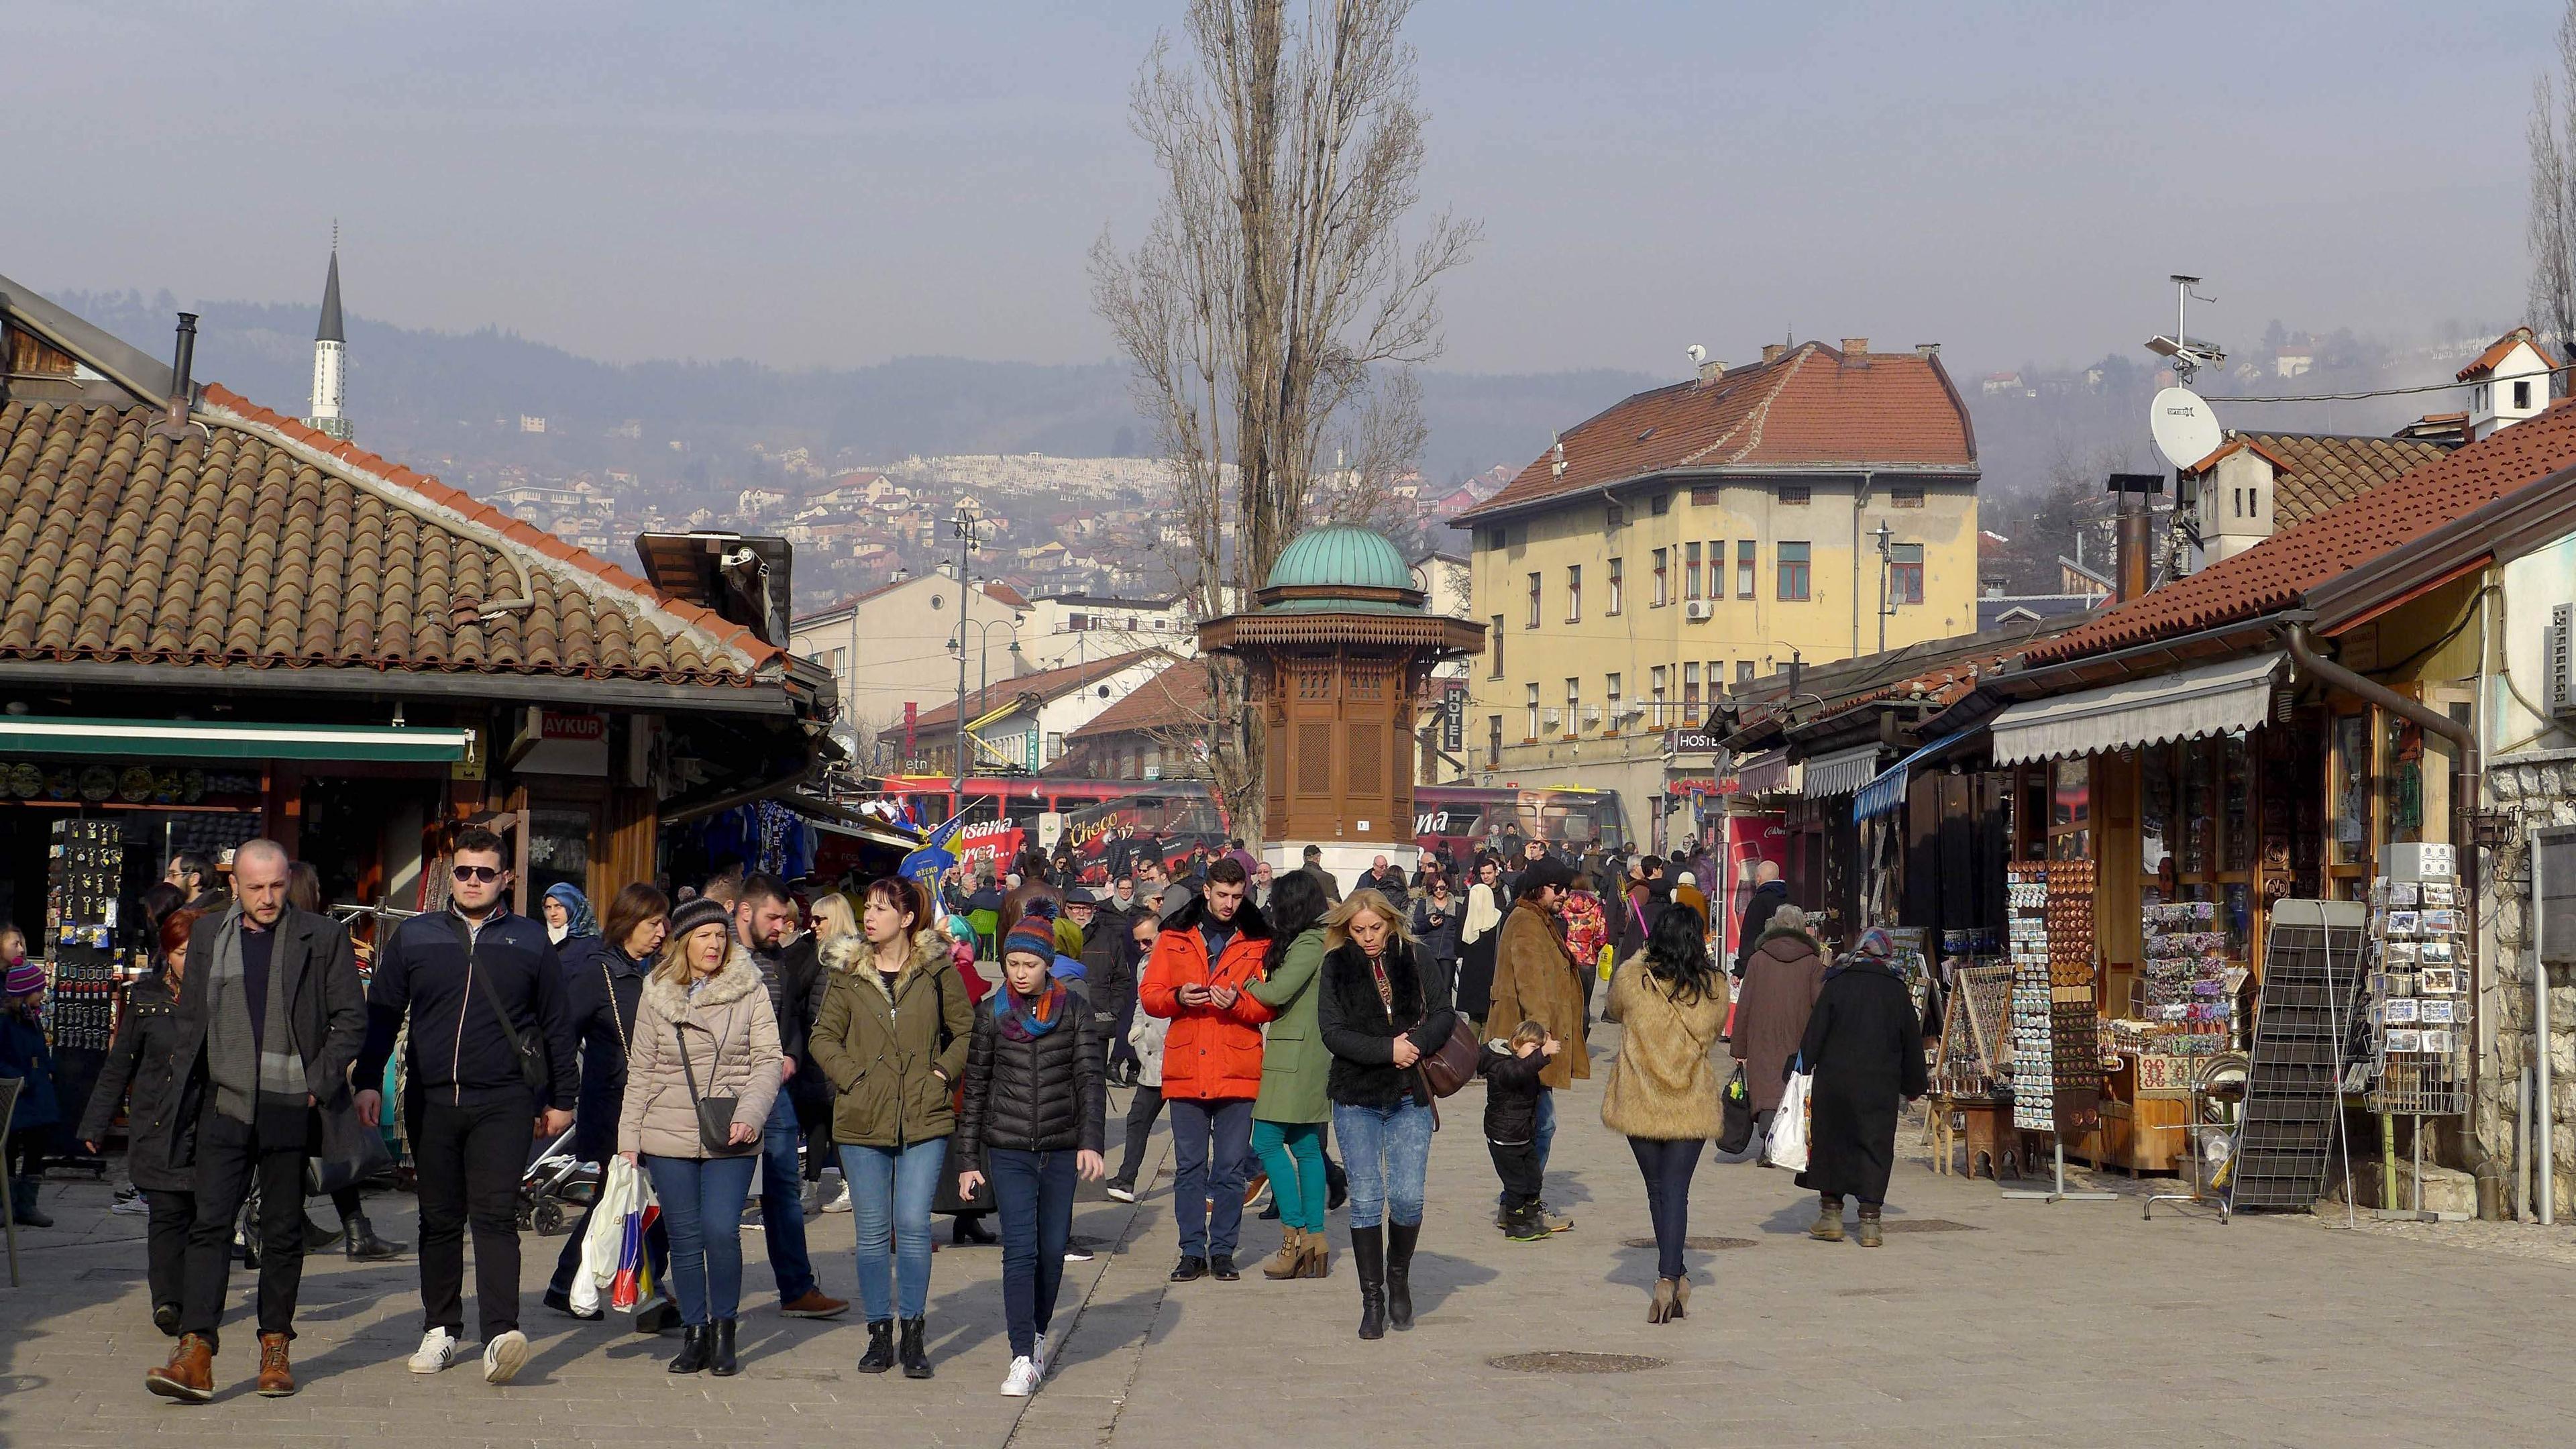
<point>330,359</point>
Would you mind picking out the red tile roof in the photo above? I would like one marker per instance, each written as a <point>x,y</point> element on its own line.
<point>1045,684</point>
<point>2277,573</point>
<point>267,543</point>
<point>2498,350</point>
<point>1177,697</point>
<point>1812,407</point>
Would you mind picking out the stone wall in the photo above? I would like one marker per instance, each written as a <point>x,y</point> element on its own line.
<point>2531,789</point>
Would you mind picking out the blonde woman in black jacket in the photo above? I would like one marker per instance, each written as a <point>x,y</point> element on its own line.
<point>1034,1099</point>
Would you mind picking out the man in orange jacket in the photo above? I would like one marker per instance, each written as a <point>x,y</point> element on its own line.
<point>1209,949</point>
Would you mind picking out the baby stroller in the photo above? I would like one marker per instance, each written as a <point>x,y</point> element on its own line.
<point>555,1183</point>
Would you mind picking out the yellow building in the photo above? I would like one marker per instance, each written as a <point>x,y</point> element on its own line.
<point>1818,504</point>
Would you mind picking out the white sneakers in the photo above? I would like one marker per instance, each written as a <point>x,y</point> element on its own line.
<point>504,1356</point>
<point>437,1350</point>
<point>840,1202</point>
<point>1022,1380</point>
<point>1121,1192</point>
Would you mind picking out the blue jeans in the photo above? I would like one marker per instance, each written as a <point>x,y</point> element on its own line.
<point>1293,1154</point>
<point>1034,1193</point>
<point>890,1197</point>
<point>782,1201</point>
<point>1209,1143</point>
<point>1387,1151</point>
<point>702,1208</point>
<point>1546,1124</point>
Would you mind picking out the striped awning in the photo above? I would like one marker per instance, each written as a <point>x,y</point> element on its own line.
<point>1885,792</point>
<point>1841,772</point>
<point>1768,773</point>
<point>2227,697</point>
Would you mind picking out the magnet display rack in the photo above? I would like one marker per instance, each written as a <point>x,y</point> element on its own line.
<point>84,871</point>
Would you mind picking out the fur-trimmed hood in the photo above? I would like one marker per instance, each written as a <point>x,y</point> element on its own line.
<point>849,955</point>
<point>739,978</point>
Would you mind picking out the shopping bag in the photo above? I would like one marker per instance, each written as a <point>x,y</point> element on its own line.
<point>1788,1145</point>
<point>1736,1131</point>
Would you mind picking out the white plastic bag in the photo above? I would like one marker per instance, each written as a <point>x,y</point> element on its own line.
<point>620,1193</point>
<point>1787,1146</point>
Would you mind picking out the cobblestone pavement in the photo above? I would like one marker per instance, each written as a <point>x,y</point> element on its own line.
<point>1982,1321</point>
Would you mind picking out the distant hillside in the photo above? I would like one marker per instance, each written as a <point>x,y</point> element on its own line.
<point>426,395</point>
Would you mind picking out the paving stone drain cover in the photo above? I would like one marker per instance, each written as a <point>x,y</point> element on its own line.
<point>1928,1225</point>
<point>1559,1361</point>
<point>1696,1245</point>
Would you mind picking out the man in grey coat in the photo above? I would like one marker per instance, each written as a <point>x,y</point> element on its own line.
<point>270,1015</point>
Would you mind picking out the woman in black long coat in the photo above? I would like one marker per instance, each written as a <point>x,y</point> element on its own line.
<point>140,1064</point>
<point>1865,1046</point>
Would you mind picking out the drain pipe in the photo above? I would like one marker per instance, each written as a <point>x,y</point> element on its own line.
<point>2464,790</point>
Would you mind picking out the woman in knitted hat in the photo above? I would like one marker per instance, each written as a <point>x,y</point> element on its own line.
<point>1035,1096</point>
<point>23,1053</point>
<point>704,1034</point>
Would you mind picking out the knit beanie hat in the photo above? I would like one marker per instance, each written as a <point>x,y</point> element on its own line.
<point>1034,935</point>
<point>28,976</point>
<point>693,914</point>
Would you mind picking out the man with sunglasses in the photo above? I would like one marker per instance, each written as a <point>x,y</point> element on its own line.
<point>491,1063</point>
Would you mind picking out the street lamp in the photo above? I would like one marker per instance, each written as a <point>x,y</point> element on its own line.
<point>983,675</point>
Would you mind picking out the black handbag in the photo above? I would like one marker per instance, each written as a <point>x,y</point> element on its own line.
<point>715,1114</point>
<point>1736,1131</point>
<point>349,1153</point>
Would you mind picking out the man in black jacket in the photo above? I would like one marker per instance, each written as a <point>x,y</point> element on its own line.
<point>1770,893</point>
<point>270,1015</point>
<point>492,1052</point>
<point>764,918</point>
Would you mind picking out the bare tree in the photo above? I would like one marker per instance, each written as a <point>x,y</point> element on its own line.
<point>1273,307</point>
<point>2553,195</point>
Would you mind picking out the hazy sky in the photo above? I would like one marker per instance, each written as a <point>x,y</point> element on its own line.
<point>842,183</point>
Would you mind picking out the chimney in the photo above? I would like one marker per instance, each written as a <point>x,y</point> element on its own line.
<point>1710,371</point>
<point>1927,349</point>
<point>183,392</point>
<point>1771,351</point>
<point>1855,347</point>
<point>2129,575</point>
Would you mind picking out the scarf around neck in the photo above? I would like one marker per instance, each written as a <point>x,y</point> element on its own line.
<point>1026,1018</point>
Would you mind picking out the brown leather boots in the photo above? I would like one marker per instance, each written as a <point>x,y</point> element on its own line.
<point>189,1376</point>
<point>276,1379</point>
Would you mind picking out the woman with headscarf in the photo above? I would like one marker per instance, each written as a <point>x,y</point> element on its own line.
<point>1865,1046</point>
<point>1478,934</point>
<point>568,914</point>
<point>1782,975</point>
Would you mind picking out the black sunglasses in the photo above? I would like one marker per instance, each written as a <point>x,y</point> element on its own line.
<point>475,872</point>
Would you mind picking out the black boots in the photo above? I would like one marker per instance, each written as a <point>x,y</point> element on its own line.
<point>697,1344</point>
<point>363,1245</point>
<point>721,1361</point>
<point>916,1358</point>
<point>880,1354</point>
<point>1368,1254</point>
<point>1400,1238</point>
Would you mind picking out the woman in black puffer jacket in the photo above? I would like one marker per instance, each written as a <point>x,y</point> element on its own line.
<point>1376,1024</point>
<point>160,1147</point>
<point>1034,1093</point>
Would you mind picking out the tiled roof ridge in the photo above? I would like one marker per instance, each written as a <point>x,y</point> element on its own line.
<point>1752,421</point>
<point>404,485</point>
<point>1044,681</point>
<point>2279,571</point>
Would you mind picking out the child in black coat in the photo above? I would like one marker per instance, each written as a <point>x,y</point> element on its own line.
<point>1510,1070</point>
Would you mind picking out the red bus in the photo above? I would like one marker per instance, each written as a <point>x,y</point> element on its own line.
<point>1452,819</point>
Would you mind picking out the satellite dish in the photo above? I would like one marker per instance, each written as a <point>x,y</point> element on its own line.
<point>2186,431</point>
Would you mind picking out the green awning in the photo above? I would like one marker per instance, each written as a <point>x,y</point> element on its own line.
<point>201,740</point>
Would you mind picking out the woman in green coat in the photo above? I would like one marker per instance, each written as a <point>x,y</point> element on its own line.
<point>1288,1117</point>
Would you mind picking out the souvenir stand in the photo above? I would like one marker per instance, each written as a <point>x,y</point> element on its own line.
<point>2418,1007</point>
